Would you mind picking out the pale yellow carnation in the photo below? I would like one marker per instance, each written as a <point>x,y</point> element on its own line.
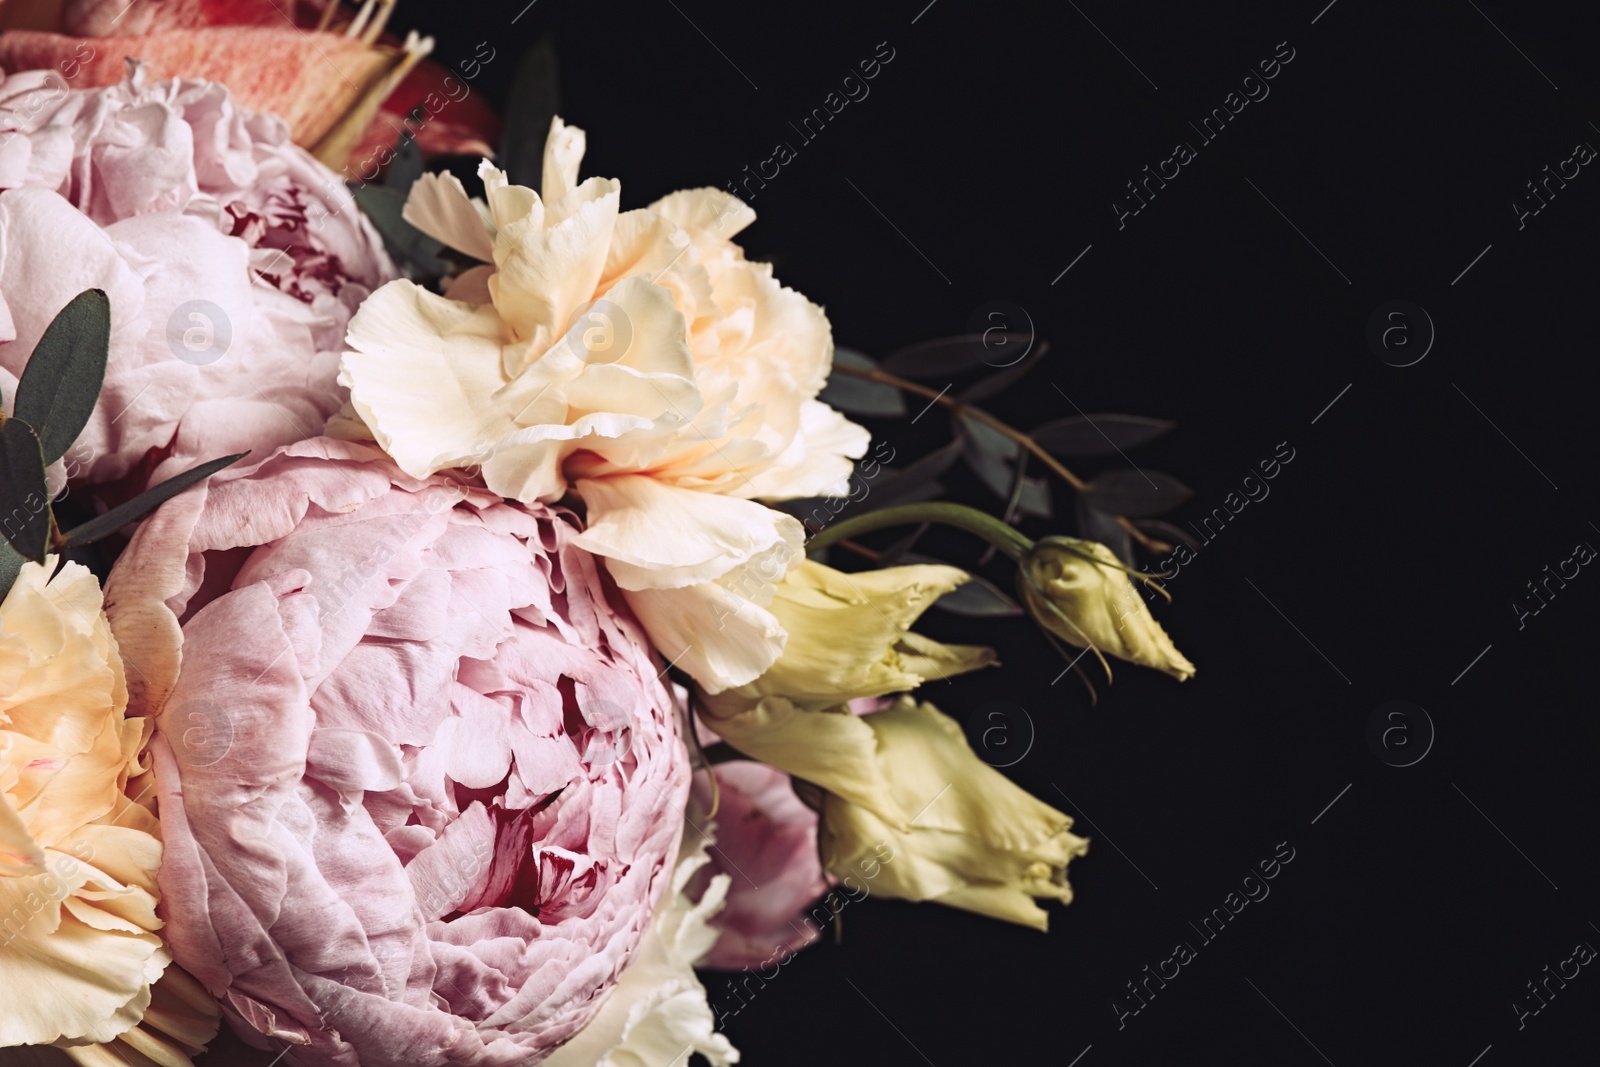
<point>79,952</point>
<point>636,358</point>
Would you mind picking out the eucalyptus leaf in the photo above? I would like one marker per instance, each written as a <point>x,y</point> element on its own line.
<point>140,506</point>
<point>535,99</point>
<point>63,377</point>
<point>1002,380</point>
<point>406,166</point>
<point>1096,525</point>
<point>978,598</point>
<point>421,254</point>
<point>901,486</point>
<point>1013,508</point>
<point>26,523</point>
<point>992,456</point>
<point>1136,494</point>
<point>931,489</point>
<point>10,566</point>
<point>1098,435</point>
<point>858,396</point>
<point>945,356</point>
<point>1167,531</point>
<point>988,438</point>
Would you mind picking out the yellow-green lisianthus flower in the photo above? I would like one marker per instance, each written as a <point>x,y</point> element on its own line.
<point>972,839</point>
<point>1080,592</point>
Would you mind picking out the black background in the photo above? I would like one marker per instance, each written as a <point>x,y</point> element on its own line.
<point>1391,548</point>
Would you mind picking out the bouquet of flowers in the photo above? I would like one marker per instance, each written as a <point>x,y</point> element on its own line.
<point>417,644</point>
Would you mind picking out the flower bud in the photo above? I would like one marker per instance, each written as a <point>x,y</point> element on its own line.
<point>1081,593</point>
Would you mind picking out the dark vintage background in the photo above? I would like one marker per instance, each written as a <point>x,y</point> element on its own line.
<point>1384,164</point>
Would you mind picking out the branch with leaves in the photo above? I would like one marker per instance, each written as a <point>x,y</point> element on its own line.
<point>55,397</point>
<point>1116,507</point>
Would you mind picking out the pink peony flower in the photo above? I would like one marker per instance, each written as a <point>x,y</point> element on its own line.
<point>766,843</point>
<point>233,261</point>
<point>420,781</point>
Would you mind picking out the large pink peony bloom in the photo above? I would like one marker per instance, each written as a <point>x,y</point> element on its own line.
<point>233,261</point>
<point>766,843</point>
<point>420,781</point>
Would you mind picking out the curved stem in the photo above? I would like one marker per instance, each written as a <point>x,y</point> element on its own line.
<point>1007,538</point>
<point>873,374</point>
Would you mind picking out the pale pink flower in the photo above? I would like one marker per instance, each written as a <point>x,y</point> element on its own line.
<point>233,260</point>
<point>766,845</point>
<point>419,777</point>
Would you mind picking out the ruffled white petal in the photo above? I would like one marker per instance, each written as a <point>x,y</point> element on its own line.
<point>438,205</point>
<point>720,638</point>
<point>421,371</point>
<point>706,211</point>
<point>546,276</point>
<point>658,536</point>
<point>820,459</point>
<point>563,153</point>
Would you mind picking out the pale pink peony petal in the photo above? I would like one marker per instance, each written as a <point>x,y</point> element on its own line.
<point>232,260</point>
<point>439,786</point>
<point>767,846</point>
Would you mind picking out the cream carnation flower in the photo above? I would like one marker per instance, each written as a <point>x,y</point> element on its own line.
<point>78,947</point>
<point>633,357</point>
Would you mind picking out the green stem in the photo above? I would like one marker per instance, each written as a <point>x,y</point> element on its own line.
<point>873,374</point>
<point>1003,536</point>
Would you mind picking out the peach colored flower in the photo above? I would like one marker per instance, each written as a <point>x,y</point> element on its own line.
<point>635,358</point>
<point>78,944</point>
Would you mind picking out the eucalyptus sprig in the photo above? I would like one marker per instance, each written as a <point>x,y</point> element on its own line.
<point>1081,435</point>
<point>56,395</point>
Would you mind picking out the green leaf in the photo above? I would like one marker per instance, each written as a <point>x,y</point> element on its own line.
<point>1098,435</point>
<point>144,503</point>
<point>26,522</point>
<point>10,566</point>
<point>917,480</point>
<point>1138,494</point>
<point>1096,525</point>
<point>420,253</point>
<point>63,377</point>
<point>992,456</point>
<point>535,100</point>
<point>978,598</point>
<point>943,357</point>
<point>406,166</point>
<point>857,396</point>
<point>1000,381</point>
